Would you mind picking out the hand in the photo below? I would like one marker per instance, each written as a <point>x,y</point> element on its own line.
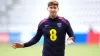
<point>70,41</point>
<point>17,45</point>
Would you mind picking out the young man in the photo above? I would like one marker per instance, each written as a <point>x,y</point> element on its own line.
<point>54,29</point>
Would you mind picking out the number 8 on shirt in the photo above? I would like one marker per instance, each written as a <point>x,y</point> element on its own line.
<point>53,35</point>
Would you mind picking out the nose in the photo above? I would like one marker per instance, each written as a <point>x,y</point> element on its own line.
<point>52,9</point>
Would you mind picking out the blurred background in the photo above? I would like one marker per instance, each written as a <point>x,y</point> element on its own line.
<point>19,20</point>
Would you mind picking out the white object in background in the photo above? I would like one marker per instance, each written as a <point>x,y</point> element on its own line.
<point>26,36</point>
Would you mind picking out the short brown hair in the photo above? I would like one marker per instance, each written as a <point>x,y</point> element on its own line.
<point>53,3</point>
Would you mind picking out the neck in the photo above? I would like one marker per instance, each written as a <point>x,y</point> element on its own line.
<point>53,16</point>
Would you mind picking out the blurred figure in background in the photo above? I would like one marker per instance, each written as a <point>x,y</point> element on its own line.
<point>93,37</point>
<point>54,29</point>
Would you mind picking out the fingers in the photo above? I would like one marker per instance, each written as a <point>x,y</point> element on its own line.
<point>14,46</point>
<point>17,45</point>
<point>70,42</point>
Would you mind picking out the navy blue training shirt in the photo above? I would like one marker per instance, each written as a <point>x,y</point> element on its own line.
<point>54,31</point>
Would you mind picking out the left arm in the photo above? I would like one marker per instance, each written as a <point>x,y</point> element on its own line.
<point>70,33</point>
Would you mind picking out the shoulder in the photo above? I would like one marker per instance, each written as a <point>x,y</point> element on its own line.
<point>64,20</point>
<point>42,21</point>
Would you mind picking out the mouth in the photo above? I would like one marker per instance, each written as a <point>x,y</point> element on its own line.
<point>52,12</point>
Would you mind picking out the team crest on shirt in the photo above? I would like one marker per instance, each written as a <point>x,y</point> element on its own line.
<point>59,24</point>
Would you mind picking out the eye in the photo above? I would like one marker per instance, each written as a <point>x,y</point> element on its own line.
<point>51,7</point>
<point>55,7</point>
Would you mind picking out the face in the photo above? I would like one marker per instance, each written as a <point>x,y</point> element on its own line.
<point>53,9</point>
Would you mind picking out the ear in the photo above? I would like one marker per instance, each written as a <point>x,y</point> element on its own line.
<point>47,8</point>
<point>58,9</point>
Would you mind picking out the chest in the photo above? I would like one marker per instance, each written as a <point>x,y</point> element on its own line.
<point>57,27</point>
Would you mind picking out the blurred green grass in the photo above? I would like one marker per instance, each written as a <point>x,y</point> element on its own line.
<point>36,50</point>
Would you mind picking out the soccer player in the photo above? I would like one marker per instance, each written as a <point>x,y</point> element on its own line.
<point>54,29</point>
